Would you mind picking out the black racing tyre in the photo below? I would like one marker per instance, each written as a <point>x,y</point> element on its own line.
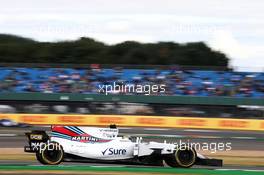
<point>183,158</point>
<point>38,157</point>
<point>51,154</point>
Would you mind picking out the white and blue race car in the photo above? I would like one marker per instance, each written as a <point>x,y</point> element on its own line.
<point>104,145</point>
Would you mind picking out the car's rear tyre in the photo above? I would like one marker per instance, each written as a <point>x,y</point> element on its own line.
<point>183,157</point>
<point>38,157</point>
<point>51,154</point>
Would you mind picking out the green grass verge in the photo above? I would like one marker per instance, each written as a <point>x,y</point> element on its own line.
<point>131,169</point>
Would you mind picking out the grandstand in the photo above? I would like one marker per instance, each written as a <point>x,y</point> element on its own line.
<point>177,81</point>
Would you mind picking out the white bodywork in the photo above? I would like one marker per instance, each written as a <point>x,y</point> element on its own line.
<point>105,144</point>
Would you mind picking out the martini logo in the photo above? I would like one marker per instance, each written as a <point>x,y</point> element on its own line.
<point>112,151</point>
<point>85,139</point>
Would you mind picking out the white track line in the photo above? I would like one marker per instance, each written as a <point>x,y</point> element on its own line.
<point>200,130</point>
<point>125,128</point>
<point>8,135</point>
<point>243,138</point>
<point>176,136</point>
<point>239,169</point>
<point>206,137</point>
<point>156,129</point>
<point>255,170</point>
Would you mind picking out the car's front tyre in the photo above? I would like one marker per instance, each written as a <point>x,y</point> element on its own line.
<point>183,158</point>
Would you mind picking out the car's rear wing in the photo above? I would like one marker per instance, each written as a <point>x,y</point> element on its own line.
<point>35,139</point>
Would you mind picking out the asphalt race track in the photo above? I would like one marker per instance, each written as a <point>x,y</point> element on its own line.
<point>35,163</point>
<point>14,138</point>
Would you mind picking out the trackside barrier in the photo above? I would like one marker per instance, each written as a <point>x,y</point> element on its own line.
<point>137,121</point>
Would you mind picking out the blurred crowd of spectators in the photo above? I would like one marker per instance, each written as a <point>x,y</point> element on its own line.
<point>176,81</point>
<point>123,108</point>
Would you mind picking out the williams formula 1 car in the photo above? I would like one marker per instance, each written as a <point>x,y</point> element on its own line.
<point>104,145</point>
